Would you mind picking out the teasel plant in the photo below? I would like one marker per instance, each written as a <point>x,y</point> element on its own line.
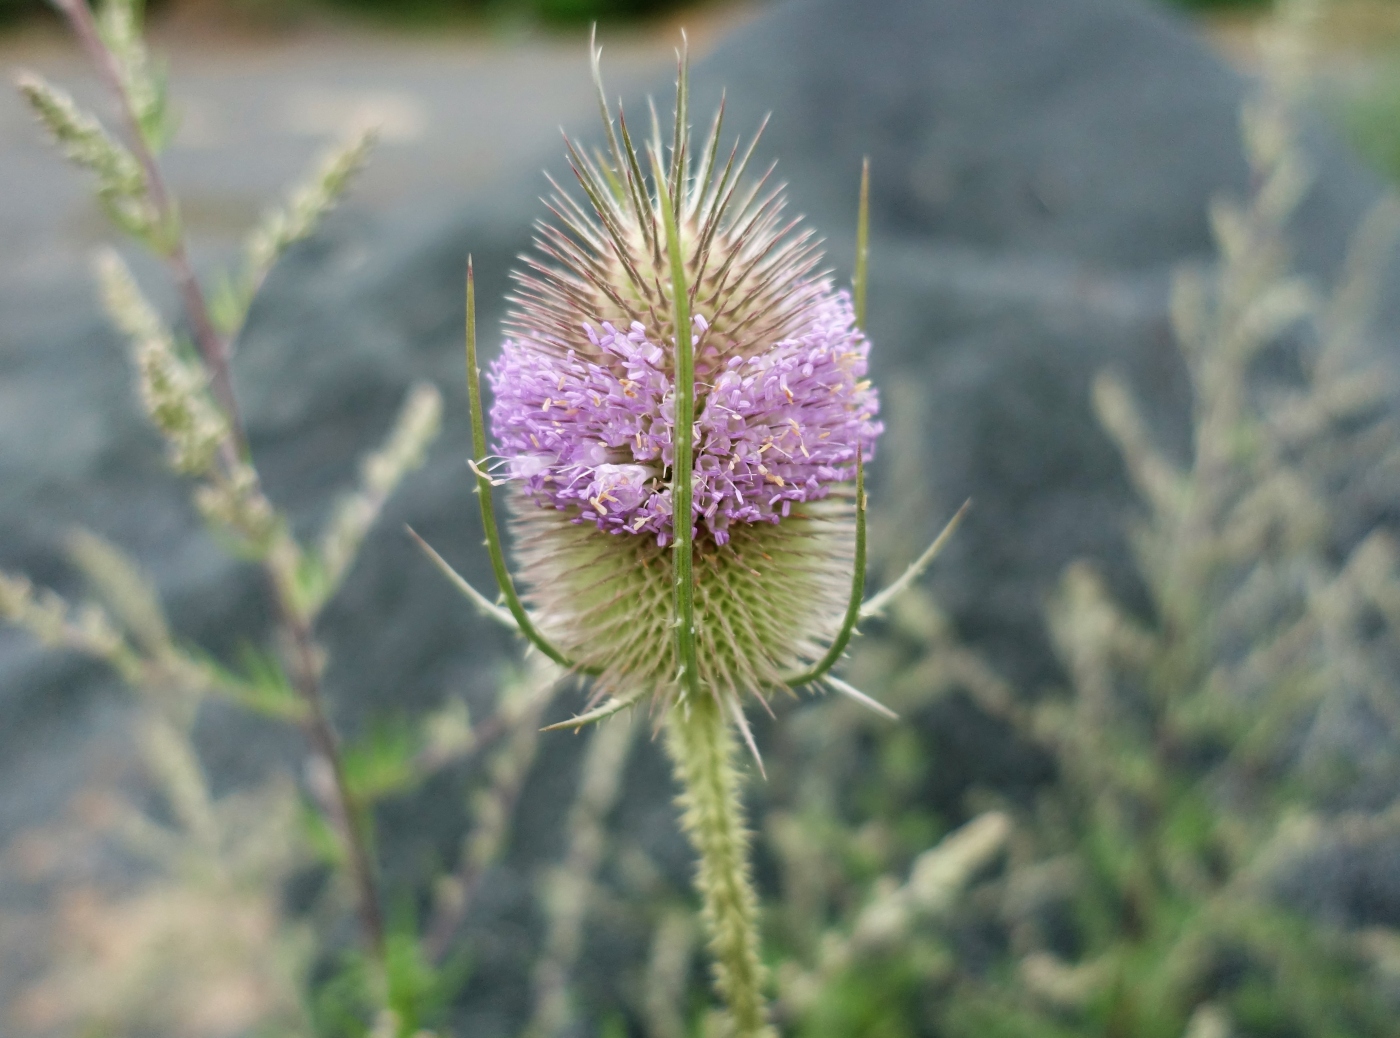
<point>678,295</point>
<point>186,387</point>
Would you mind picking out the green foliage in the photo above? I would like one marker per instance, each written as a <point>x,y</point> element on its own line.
<point>613,1027</point>
<point>419,990</point>
<point>261,685</point>
<point>320,836</point>
<point>881,997</point>
<point>383,761</point>
<point>1371,121</point>
<point>340,1006</point>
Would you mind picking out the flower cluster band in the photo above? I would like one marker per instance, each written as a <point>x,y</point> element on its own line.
<point>593,435</point>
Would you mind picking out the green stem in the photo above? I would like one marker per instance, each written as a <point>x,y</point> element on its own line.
<point>702,747</point>
<point>683,597</point>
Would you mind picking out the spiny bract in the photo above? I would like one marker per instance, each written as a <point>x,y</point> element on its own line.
<point>584,419</point>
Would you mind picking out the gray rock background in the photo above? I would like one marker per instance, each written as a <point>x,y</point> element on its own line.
<point>1039,166</point>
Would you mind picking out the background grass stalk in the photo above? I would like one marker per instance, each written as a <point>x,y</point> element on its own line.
<point>347,820</point>
<point>213,349</point>
<point>279,555</point>
<point>703,746</point>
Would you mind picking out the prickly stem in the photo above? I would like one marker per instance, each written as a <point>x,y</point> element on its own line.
<point>703,748</point>
<point>681,485</point>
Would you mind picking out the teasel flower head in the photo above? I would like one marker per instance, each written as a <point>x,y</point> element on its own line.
<point>585,418</point>
<point>683,418</point>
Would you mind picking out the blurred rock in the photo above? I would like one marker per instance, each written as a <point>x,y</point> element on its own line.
<point>1039,166</point>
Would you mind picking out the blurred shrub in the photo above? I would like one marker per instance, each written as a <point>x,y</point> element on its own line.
<point>1178,871</point>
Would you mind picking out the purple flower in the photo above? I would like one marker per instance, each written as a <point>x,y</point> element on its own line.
<point>584,423</point>
<point>588,430</point>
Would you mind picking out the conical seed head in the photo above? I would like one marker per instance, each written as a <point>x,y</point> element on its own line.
<point>584,418</point>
